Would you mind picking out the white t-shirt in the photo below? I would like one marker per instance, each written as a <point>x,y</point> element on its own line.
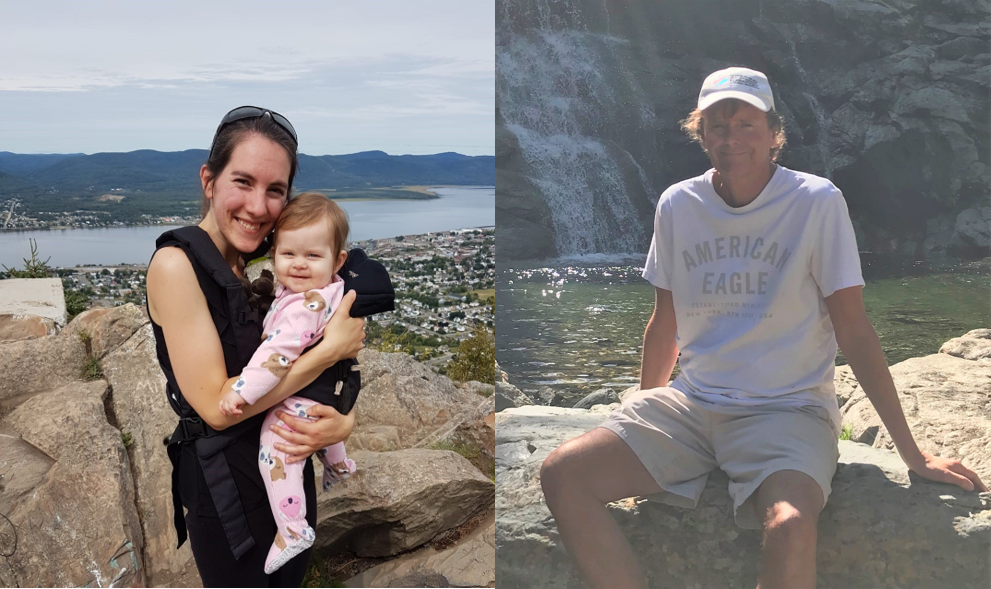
<point>748,286</point>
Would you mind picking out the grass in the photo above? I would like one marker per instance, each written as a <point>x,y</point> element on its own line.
<point>91,369</point>
<point>846,432</point>
<point>469,451</point>
<point>315,577</point>
<point>127,439</point>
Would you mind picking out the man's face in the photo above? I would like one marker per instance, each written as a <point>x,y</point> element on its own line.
<point>736,138</point>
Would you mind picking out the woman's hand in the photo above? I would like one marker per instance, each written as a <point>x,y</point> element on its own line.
<point>344,335</point>
<point>329,428</point>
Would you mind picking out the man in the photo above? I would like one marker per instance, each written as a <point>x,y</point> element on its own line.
<point>757,279</point>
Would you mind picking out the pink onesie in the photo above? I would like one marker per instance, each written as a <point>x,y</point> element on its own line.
<point>294,322</point>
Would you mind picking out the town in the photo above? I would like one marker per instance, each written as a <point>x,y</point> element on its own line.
<point>11,219</point>
<point>444,283</point>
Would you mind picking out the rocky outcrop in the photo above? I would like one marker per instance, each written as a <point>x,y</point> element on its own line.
<point>974,345</point>
<point>881,526</point>
<point>947,405</point>
<point>140,412</point>
<point>94,507</point>
<point>470,563</point>
<point>889,100</point>
<point>77,524</point>
<point>18,327</point>
<point>107,328</point>
<point>389,505</point>
<point>38,365</point>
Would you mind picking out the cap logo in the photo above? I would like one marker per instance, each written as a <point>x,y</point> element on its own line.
<point>742,80</point>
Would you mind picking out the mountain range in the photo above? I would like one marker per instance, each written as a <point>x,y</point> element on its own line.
<point>148,171</point>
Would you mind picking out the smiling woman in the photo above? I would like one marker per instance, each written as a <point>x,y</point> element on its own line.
<point>206,334</point>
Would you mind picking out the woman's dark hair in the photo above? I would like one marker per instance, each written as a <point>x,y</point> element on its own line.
<point>693,124</point>
<point>232,134</point>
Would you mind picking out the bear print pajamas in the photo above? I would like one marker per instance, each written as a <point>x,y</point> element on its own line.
<point>295,321</point>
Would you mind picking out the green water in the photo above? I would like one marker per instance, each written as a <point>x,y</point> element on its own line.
<point>580,328</point>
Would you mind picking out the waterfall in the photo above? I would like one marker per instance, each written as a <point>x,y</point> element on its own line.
<point>558,88</point>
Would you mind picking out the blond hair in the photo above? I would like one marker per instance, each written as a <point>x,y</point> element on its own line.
<point>693,124</point>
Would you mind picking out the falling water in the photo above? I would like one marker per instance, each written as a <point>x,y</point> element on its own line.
<point>557,89</point>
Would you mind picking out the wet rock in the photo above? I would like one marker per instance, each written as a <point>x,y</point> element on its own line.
<point>599,397</point>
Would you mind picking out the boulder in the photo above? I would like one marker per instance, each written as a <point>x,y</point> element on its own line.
<point>399,500</point>
<point>33,366</point>
<point>973,227</point>
<point>599,397</point>
<point>108,327</point>
<point>143,414</point>
<point>469,563</point>
<point>78,525</point>
<point>398,391</point>
<point>881,526</point>
<point>18,327</point>
<point>41,297</point>
<point>946,403</point>
<point>974,345</point>
<point>508,395</point>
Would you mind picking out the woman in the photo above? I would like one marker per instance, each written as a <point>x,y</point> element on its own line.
<point>205,333</point>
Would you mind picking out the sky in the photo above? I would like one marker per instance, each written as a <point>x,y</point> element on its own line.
<point>392,75</point>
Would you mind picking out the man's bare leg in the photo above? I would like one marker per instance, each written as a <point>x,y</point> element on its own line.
<point>578,479</point>
<point>789,502</point>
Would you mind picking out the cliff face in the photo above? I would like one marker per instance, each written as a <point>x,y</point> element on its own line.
<point>890,100</point>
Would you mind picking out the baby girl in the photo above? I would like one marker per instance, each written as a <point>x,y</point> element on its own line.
<point>308,251</point>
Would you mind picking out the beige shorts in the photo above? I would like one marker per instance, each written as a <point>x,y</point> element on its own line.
<point>680,440</point>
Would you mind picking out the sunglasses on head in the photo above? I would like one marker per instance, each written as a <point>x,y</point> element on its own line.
<point>252,112</point>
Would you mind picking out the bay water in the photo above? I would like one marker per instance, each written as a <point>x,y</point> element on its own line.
<point>458,207</point>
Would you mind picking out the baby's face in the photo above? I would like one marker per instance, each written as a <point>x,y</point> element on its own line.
<point>304,258</point>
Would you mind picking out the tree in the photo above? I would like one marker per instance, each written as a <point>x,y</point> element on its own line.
<point>475,359</point>
<point>33,268</point>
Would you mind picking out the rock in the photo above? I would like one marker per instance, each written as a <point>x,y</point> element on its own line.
<point>143,413</point>
<point>510,393</point>
<point>479,388</point>
<point>469,563</point>
<point>399,500</point>
<point>500,374</point>
<point>627,392</point>
<point>107,328</point>
<point>845,384</point>
<point>599,397</point>
<point>398,391</point>
<point>18,327</point>
<point>41,297</point>
<point>503,402</point>
<point>78,526</point>
<point>974,345</point>
<point>881,527</point>
<point>33,366</point>
<point>888,101</point>
<point>973,228</point>
<point>945,401</point>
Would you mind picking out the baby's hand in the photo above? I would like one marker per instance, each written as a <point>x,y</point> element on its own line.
<point>230,402</point>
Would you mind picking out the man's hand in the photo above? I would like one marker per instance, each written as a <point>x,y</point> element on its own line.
<point>948,470</point>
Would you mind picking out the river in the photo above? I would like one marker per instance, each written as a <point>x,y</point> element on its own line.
<point>458,207</point>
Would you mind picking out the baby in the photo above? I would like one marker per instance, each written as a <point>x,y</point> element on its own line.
<point>308,251</point>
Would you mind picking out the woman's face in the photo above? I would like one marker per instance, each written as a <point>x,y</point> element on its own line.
<point>248,195</point>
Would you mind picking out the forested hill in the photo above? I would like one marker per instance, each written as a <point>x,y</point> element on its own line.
<point>148,171</point>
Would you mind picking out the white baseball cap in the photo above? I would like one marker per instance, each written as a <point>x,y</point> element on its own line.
<point>741,83</point>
